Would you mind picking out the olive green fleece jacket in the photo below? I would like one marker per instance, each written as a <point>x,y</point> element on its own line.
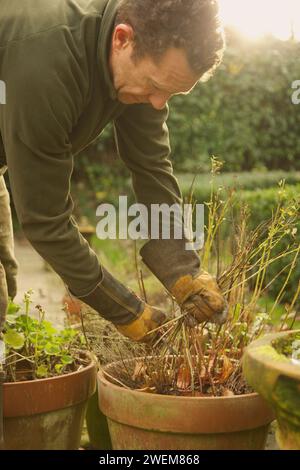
<point>59,97</point>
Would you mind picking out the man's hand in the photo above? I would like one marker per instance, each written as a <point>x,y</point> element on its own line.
<point>141,329</point>
<point>201,298</point>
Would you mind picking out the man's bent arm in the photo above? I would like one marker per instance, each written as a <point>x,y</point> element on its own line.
<point>143,143</point>
<point>36,121</point>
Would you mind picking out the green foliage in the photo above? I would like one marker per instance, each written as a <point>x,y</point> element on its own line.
<point>262,203</point>
<point>244,114</point>
<point>240,181</point>
<point>35,349</point>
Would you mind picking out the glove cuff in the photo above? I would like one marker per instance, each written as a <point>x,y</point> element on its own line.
<point>170,261</point>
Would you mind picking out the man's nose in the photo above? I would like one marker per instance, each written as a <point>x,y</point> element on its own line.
<point>158,101</point>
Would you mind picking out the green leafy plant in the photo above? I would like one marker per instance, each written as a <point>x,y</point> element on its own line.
<point>35,349</point>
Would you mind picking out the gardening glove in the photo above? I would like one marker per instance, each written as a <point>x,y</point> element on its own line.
<point>116,303</point>
<point>196,291</point>
<point>201,298</point>
<point>8,264</point>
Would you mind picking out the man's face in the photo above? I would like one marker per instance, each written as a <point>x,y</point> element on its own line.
<point>145,81</point>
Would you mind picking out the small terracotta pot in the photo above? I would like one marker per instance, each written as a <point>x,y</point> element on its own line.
<point>144,421</point>
<point>47,414</point>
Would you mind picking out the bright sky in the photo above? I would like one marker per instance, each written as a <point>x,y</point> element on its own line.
<point>255,18</point>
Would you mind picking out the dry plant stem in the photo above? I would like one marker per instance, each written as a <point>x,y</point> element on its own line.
<point>161,338</point>
<point>84,332</point>
<point>276,276</point>
<point>188,355</point>
<point>289,310</point>
<point>211,364</point>
<point>174,320</point>
<point>137,270</point>
<point>282,290</point>
<point>143,286</point>
<point>277,258</point>
<point>265,257</point>
<point>297,295</point>
<point>243,259</point>
<point>116,380</point>
<point>199,353</point>
<point>214,225</point>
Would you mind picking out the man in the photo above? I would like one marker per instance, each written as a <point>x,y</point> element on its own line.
<point>70,67</point>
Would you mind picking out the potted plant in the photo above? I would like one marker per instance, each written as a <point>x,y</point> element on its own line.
<point>187,391</point>
<point>272,367</point>
<point>49,379</point>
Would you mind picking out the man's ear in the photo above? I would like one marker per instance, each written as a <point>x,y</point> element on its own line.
<point>123,36</point>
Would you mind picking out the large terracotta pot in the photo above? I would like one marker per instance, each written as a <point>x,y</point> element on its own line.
<point>139,420</point>
<point>277,379</point>
<point>47,414</point>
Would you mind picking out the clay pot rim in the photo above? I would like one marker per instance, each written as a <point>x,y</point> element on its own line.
<point>102,377</point>
<point>105,381</point>
<point>33,397</point>
<point>56,377</point>
<point>281,367</point>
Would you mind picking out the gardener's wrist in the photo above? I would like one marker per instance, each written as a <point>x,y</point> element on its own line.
<point>170,260</point>
<point>112,300</point>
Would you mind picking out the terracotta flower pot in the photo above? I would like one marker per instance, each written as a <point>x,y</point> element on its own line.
<point>47,414</point>
<point>277,379</point>
<point>144,421</point>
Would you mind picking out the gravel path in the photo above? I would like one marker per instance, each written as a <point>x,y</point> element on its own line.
<point>47,286</point>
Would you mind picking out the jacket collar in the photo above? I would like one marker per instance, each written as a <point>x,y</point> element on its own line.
<point>104,44</point>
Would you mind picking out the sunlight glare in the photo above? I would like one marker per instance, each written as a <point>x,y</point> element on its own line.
<point>256,18</point>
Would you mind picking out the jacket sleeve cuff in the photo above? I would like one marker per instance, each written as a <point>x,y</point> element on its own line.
<point>113,300</point>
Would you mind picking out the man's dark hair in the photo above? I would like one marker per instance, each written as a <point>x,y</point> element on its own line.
<point>193,25</point>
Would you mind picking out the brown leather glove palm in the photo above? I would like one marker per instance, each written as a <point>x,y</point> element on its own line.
<point>201,297</point>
